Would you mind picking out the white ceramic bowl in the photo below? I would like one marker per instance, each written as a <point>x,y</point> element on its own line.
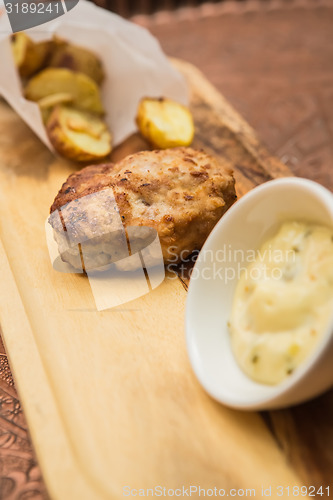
<point>251,221</point>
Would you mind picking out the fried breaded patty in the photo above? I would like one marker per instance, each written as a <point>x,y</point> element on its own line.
<point>180,192</point>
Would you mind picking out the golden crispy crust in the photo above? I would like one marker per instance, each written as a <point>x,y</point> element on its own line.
<point>70,144</point>
<point>180,192</point>
<point>86,181</point>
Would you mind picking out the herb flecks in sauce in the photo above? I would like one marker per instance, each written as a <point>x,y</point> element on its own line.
<point>276,327</point>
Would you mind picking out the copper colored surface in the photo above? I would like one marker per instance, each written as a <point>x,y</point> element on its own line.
<point>275,67</point>
<point>20,477</point>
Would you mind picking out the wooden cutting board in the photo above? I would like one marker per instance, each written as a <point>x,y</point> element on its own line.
<point>109,396</point>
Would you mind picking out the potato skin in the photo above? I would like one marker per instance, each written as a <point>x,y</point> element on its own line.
<point>63,139</point>
<point>84,90</point>
<point>48,103</point>
<point>67,55</point>
<point>63,79</point>
<point>165,123</point>
<point>29,56</point>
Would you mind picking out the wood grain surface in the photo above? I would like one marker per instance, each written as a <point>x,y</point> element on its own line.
<point>296,444</point>
<point>113,390</point>
<point>272,59</point>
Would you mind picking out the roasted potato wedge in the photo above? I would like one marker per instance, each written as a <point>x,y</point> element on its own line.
<point>78,135</point>
<point>82,88</point>
<point>47,104</point>
<point>29,56</point>
<point>165,123</point>
<point>67,55</point>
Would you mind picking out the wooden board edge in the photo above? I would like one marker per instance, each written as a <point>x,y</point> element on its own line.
<point>39,405</point>
<point>232,120</point>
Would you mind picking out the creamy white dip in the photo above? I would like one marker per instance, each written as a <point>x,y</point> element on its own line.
<point>283,302</point>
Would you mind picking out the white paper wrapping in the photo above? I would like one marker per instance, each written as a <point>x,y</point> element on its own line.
<point>134,64</point>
